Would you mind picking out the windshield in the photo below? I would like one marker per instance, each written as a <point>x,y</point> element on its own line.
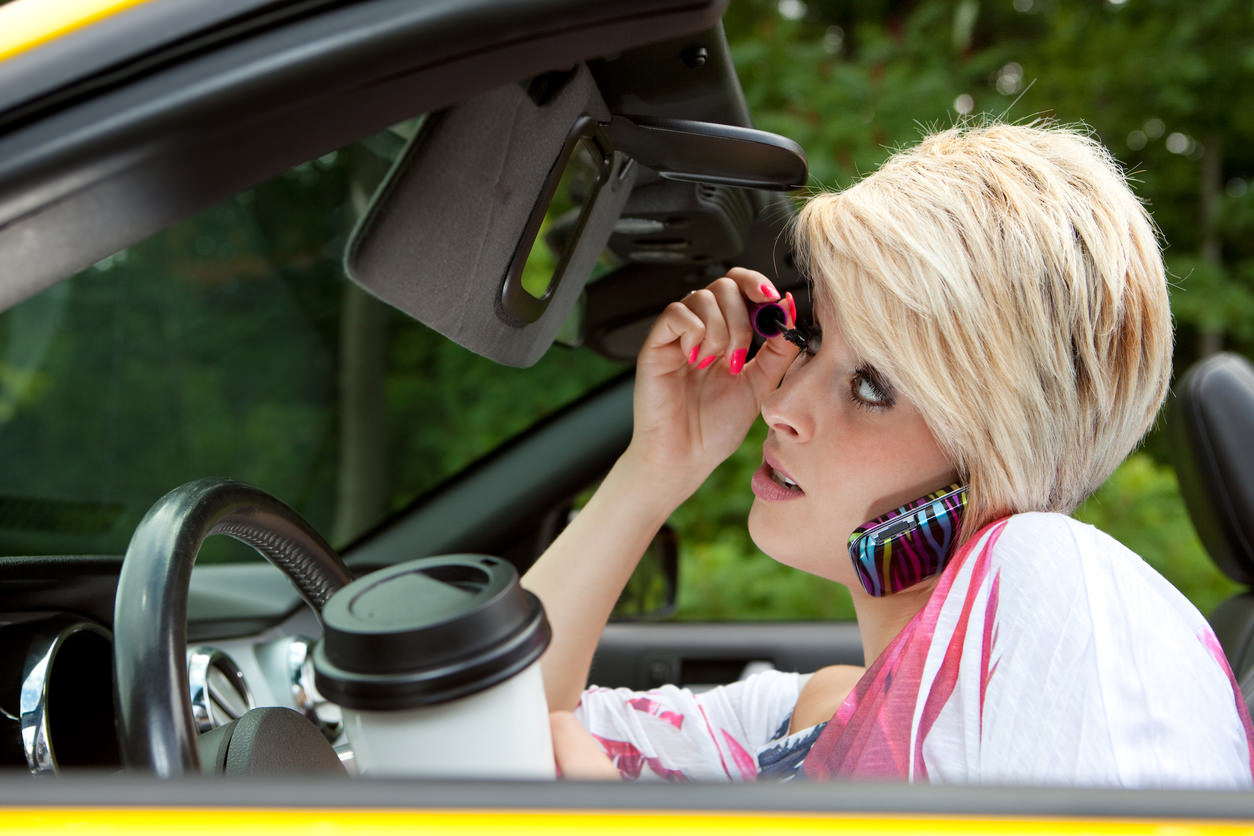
<point>232,345</point>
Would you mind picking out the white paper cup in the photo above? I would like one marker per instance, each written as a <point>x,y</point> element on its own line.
<point>434,664</point>
<point>502,732</point>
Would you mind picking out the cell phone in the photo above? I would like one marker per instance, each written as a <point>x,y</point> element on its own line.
<point>910,544</point>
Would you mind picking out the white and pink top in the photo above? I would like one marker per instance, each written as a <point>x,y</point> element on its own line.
<point>1048,654</point>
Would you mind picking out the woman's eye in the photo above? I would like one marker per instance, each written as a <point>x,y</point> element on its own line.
<point>867,391</point>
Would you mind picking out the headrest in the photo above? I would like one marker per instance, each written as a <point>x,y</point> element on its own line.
<point>1211,428</point>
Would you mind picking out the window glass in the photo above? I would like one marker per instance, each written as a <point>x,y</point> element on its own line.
<point>232,345</point>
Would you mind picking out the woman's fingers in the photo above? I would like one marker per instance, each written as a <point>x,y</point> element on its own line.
<point>754,286</point>
<point>722,308</point>
<point>578,754</point>
<point>674,339</point>
<point>705,304</point>
<point>776,354</point>
<point>712,324</point>
<point>731,303</point>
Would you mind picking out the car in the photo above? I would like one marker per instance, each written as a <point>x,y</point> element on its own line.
<point>364,278</point>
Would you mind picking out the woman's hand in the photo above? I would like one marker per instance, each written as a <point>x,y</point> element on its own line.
<point>689,416</point>
<point>577,753</point>
<point>695,397</point>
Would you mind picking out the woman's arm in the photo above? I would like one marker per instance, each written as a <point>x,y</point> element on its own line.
<point>580,576</point>
<point>578,755</point>
<point>695,398</point>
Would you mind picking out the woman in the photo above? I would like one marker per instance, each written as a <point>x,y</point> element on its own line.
<point>990,313</point>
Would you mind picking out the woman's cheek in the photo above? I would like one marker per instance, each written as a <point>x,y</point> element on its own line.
<point>821,553</point>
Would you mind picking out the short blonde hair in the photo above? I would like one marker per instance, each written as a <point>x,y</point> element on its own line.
<point>1007,281</point>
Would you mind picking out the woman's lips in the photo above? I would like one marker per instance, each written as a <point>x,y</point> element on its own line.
<point>765,487</point>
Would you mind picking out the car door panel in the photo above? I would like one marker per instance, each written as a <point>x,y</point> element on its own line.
<point>646,655</point>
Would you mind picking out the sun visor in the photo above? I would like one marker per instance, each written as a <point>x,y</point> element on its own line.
<point>448,238</point>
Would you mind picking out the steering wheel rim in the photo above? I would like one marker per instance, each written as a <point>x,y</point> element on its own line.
<point>152,697</point>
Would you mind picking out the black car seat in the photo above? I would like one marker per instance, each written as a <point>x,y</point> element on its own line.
<point>1211,428</point>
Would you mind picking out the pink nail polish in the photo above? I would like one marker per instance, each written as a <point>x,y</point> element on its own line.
<point>737,360</point>
<point>705,364</point>
<point>692,355</point>
<point>792,306</point>
<point>769,292</point>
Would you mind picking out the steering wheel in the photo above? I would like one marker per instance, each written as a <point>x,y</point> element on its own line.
<point>155,724</point>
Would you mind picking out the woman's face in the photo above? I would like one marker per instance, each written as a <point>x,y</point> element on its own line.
<point>843,447</point>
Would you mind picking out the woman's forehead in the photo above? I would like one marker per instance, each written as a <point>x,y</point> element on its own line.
<point>826,314</point>
<point>834,338</point>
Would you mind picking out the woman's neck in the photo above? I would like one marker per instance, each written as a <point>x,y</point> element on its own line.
<point>881,619</point>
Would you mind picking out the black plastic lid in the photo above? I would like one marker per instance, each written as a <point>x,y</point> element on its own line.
<point>426,632</point>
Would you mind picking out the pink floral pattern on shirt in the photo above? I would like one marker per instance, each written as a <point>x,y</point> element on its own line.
<point>869,737</point>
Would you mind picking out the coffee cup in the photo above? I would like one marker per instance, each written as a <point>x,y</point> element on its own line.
<point>434,663</point>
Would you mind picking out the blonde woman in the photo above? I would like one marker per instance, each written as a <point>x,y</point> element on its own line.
<point>991,338</point>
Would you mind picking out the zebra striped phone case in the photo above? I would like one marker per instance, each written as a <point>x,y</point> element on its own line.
<point>905,546</point>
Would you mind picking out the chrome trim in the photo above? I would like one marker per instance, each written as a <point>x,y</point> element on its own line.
<point>218,689</point>
<point>33,701</point>
<point>305,697</point>
<point>349,760</point>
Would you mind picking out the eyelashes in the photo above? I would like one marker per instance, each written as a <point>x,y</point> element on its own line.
<point>800,337</point>
<point>806,336</point>
<point>867,389</point>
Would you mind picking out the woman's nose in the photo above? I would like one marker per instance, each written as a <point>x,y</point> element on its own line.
<point>787,410</point>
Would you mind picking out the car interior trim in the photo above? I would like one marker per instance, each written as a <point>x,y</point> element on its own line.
<point>219,692</point>
<point>455,264</point>
<point>64,695</point>
<point>120,48</point>
<point>123,164</point>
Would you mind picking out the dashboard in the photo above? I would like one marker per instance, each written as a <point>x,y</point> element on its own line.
<point>250,646</point>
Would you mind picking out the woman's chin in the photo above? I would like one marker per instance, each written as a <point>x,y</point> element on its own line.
<point>762,529</point>
<point>783,545</point>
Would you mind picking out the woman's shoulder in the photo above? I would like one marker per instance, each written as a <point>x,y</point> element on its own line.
<point>1051,543</point>
<point>824,693</point>
<point>1057,563</point>
<point>1078,633</point>
<point>1060,535</point>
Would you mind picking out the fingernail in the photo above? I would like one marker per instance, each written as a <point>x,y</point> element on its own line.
<point>792,306</point>
<point>705,364</point>
<point>769,292</point>
<point>692,355</point>
<point>737,360</point>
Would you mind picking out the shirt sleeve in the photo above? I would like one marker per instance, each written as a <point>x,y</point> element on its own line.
<point>677,734</point>
<point>1096,671</point>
